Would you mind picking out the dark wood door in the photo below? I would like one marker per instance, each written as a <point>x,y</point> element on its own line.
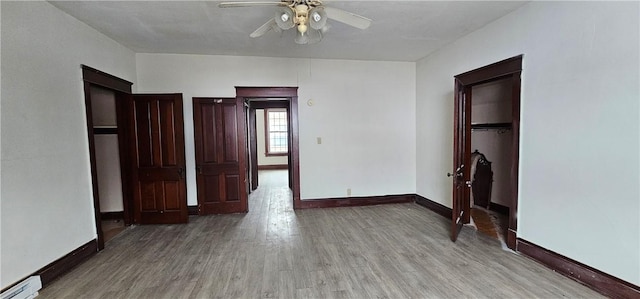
<point>221,187</point>
<point>160,194</point>
<point>461,157</point>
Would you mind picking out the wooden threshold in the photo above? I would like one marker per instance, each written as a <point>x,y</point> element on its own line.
<point>595,279</point>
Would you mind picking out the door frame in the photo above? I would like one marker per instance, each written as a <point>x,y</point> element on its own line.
<point>122,91</point>
<point>510,68</point>
<point>253,134</point>
<point>290,95</point>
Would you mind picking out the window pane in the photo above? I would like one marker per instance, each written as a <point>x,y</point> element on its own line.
<point>277,131</point>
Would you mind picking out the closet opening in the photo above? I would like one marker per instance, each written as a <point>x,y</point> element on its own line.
<point>105,101</point>
<point>486,150</point>
<point>491,143</point>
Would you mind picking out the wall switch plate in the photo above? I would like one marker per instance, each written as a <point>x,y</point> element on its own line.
<point>319,140</point>
<point>348,191</point>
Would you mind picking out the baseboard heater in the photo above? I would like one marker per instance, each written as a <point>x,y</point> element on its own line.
<point>26,289</point>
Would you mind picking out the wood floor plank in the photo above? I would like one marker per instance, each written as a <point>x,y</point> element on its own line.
<point>386,251</point>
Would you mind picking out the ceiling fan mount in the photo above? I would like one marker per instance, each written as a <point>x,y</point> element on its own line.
<point>303,14</point>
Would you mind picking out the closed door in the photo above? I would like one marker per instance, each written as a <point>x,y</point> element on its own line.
<point>158,175</point>
<point>219,175</point>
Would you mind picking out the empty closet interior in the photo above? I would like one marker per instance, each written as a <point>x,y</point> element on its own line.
<point>107,152</point>
<point>491,142</point>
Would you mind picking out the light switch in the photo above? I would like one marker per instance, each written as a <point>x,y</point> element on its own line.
<point>319,140</point>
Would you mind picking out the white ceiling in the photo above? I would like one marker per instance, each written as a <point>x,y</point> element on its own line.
<point>401,30</point>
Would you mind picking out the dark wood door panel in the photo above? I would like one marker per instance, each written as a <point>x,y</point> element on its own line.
<point>160,189</point>
<point>216,122</point>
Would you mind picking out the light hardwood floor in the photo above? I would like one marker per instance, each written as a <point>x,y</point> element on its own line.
<point>386,251</point>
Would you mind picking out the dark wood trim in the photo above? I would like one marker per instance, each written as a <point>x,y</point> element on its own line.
<point>273,167</point>
<point>599,281</point>
<point>492,71</point>
<point>112,215</point>
<point>105,131</point>
<point>498,208</point>
<point>122,93</point>
<point>511,239</point>
<point>434,206</point>
<point>355,201</point>
<point>510,68</point>
<point>491,126</point>
<point>192,210</point>
<point>266,92</point>
<point>268,103</point>
<point>253,148</point>
<point>62,265</point>
<point>57,268</point>
<point>103,79</point>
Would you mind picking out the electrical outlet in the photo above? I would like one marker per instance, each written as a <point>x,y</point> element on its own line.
<point>319,140</point>
<point>348,191</point>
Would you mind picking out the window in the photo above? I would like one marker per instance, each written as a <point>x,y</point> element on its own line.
<point>276,132</point>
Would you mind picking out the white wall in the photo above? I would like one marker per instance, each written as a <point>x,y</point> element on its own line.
<point>579,150</point>
<point>109,174</point>
<point>47,205</point>
<point>364,112</point>
<point>263,159</point>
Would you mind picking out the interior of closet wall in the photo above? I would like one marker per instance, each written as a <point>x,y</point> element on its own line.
<point>103,109</point>
<point>491,133</point>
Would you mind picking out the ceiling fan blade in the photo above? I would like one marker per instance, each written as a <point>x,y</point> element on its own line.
<point>264,28</point>
<point>348,18</point>
<point>247,4</point>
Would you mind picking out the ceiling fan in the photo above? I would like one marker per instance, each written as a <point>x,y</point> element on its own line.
<point>303,14</point>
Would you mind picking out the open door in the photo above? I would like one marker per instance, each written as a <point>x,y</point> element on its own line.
<point>217,125</point>
<point>462,153</point>
<point>157,145</point>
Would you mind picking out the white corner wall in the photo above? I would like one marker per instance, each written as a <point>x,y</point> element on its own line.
<point>363,110</point>
<point>47,203</point>
<point>263,159</point>
<point>579,152</point>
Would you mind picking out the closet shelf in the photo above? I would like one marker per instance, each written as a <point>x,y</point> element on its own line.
<point>494,126</point>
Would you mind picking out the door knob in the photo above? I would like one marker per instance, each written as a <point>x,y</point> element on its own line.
<point>454,174</point>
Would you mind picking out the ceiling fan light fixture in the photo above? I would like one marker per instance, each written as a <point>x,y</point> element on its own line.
<point>285,18</point>
<point>317,18</point>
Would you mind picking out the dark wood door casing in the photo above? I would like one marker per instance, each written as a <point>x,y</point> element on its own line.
<point>220,179</point>
<point>122,91</point>
<point>510,68</point>
<point>289,94</point>
<point>158,158</point>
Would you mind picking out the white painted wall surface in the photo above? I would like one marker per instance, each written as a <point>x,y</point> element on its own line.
<point>364,112</point>
<point>47,204</point>
<point>260,131</point>
<point>579,157</point>
<point>109,175</point>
